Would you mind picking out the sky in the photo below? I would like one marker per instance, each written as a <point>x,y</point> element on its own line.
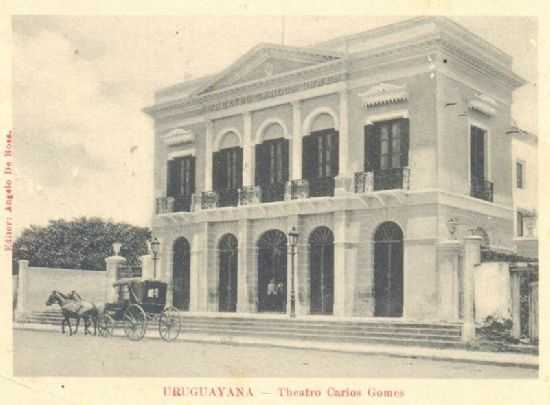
<point>83,146</point>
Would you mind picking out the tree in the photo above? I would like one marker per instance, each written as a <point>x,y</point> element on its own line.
<point>82,243</point>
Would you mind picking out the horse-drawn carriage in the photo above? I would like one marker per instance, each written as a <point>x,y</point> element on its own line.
<point>139,302</point>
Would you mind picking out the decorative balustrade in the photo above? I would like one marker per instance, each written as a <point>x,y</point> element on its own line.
<point>297,189</point>
<point>388,179</point>
<point>482,189</point>
<point>165,205</point>
<point>208,200</point>
<point>273,192</point>
<point>250,195</point>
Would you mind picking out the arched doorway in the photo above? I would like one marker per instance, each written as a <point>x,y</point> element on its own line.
<point>272,261</point>
<point>388,270</point>
<point>321,270</point>
<point>228,265</point>
<point>181,274</point>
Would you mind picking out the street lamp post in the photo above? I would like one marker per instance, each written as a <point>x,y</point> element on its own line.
<point>155,246</point>
<point>292,240</point>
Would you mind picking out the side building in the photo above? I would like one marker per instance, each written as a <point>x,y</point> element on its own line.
<point>377,149</point>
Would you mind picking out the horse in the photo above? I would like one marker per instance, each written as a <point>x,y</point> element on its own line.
<point>74,309</point>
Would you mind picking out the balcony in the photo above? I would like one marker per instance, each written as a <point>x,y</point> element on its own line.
<point>297,189</point>
<point>388,179</point>
<point>482,189</point>
<point>228,197</point>
<point>250,195</point>
<point>273,192</point>
<point>165,205</point>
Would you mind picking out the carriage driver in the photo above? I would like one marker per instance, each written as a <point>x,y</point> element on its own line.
<point>74,296</point>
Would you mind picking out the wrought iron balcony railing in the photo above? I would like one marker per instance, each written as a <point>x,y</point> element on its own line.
<point>482,189</point>
<point>250,195</point>
<point>388,179</point>
<point>273,192</point>
<point>208,200</point>
<point>321,187</point>
<point>228,197</point>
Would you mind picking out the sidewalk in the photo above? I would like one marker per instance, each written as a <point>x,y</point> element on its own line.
<point>490,358</point>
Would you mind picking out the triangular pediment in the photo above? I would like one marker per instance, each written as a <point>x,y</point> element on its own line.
<point>264,61</point>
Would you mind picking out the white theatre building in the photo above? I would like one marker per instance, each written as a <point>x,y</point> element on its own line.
<point>370,146</point>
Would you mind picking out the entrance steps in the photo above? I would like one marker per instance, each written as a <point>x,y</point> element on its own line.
<point>311,328</point>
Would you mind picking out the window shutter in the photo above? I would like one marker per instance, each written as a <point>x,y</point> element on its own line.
<point>171,178</point>
<point>404,142</point>
<point>335,154</point>
<point>309,156</point>
<point>239,168</point>
<point>372,148</point>
<point>285,160</point>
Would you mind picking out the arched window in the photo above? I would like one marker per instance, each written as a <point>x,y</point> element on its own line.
<point>227,170</point>
<point>181,266</point>
<point>228,270</point>
<point>320,162</point>
<point>321,269</point>
<point>272,263</point>
<point>388,270</point>
<point>272,163</point>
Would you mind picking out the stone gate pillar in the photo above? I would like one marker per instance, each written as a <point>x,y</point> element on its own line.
<point>516,305</point>
<point>448,262</point>
<point>22,285</point>
<point>112,264</point>
<point>146,267</point>
<point>472,259</point>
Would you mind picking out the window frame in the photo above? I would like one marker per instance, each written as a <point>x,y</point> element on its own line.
<point>521,163</point>
<point>487,146</point>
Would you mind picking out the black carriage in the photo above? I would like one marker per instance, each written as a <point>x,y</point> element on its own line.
<point>138,303</point>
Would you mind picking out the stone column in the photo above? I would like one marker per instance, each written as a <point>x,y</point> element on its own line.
<point>516,306</point>
<point>208,155</point>
<point>472,257</point>
<point>22,286</point>
<point>112,264</point>
<point>448,261</point>
<point>340,265</point>
<point>146,267</point>
<point>344,135</point>
<point>248,161</point>
<point>296,161</point>
<point>299,271</point>
<point>204,271</point>
<point>195,269</point>
<point>242,276</point>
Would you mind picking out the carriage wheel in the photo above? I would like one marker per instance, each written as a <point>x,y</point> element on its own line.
<point>169,324</point>
<point>135,322</point>
<point>105,325</point>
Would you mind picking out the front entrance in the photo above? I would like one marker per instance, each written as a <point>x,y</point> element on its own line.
<point>228,264</point>
<point>272,260</point>
<point>388,270</point>
<point>321,267</point>
<point>181,274</point>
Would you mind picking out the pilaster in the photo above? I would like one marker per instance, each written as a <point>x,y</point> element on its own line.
<point>296,161</point>
<point>515,277</point>
<point>208,155</point>
<point>344,261</point>
<point>248,162</point>
<point>242,277</point>
<point>195,266</point>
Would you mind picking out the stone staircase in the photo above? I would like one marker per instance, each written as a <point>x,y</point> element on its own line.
<point>367,331</point>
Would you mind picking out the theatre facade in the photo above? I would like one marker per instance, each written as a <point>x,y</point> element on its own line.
<point>381,150</point>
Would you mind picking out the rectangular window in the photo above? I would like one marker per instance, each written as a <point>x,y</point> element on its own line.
<point>181,177</point>
<point>387,145</point>
<point>478,164</point>
<point>520,175</point>
<point>519,224</point>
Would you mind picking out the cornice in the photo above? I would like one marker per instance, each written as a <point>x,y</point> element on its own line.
<point>483,104</point>
<point>384,93</point>
<point>178,136</point>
